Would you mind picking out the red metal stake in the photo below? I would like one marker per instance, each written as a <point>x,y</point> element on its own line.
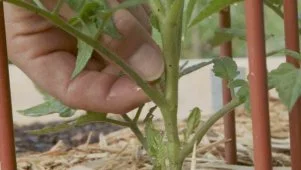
<point>229,119</point>
<point>7,144</point>
<point>292,43</point>
<point>258,84</point>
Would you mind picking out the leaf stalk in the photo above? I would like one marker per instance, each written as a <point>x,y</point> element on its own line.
<point>200,133</point>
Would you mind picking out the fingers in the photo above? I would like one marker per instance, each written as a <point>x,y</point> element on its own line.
<point>136,45</point>
<point>105,94</point>
<point>91,90</point>
<point>141,14</point>
<point>47,55</point>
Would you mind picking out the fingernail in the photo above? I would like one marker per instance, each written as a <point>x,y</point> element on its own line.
<point>147,61</point>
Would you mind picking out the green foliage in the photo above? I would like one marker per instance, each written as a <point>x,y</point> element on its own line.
<point>50,106</point>
<point>222,35</point>
<point>275,2</point>
<point>157,36</point>
<point>149,116</point>
<point>287,81</point>
<point>225,68</point>
<point>156,146</point>
<point>193,122</point>
<point>191,6</point>
<point>212,7</point>
<point>76,5</point>
<point>89,118</point>
<point>209,35</point>
<point>92,20</point>
<point>242,92</point>
<point>286,52</point>
<point>187,70</point>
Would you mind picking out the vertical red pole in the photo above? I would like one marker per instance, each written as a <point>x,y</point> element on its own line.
<point>7,144</point>
<point>292,43</point>
<point>258,84</point>
<point>229,119</point>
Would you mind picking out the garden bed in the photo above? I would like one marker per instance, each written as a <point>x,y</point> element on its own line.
<point>102,147</point>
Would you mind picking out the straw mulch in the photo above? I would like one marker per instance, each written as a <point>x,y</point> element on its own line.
<point>120,150</point>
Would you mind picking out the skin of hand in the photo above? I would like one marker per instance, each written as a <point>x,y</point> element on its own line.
<point>47,55</point>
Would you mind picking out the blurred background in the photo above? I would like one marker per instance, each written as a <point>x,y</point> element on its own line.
<point>202,40</point>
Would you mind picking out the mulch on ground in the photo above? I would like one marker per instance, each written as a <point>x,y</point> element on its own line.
<point>104,147</point>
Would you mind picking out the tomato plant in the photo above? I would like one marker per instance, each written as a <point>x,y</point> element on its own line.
<point>171,20</point>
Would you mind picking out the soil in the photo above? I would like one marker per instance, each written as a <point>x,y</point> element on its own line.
<point>26,142</point>
<point>106,147</point>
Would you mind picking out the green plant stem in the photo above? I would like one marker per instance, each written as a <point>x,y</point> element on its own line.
<point>133,126</point>
<point>160,6</point>
<point>171,31</point>
<point>137,116</point>
<point>111,121</point>
<point>139,135</point>
<point>194,68</point>
<point>173,144</point>
<point>108,55</point>
<point>208,124</point>
<point>171,38</point>
<point>127,118</point>
<point>116,122</point>
<point>158,9</point>
<point>168,2</point>
<point>165,4</point>
<point>149,115</point>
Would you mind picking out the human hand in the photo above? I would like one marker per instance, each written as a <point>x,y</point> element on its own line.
<point>47,55</point>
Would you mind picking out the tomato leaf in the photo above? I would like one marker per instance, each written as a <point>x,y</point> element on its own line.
<point>84,55</point>
<point>222,35</point>
<point>242,87</point>
<point>156,146</point>
<point>287,52</point>
<point>193,122</point>
<point>275,2</point>
<point>287,81</point>
<point>48,107</point>
<point>90,117</point>
<point>188,11</point>
<point>212,7</point>
<point>225,68</point>
<point>91,20</point>
<point>75,5</point>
